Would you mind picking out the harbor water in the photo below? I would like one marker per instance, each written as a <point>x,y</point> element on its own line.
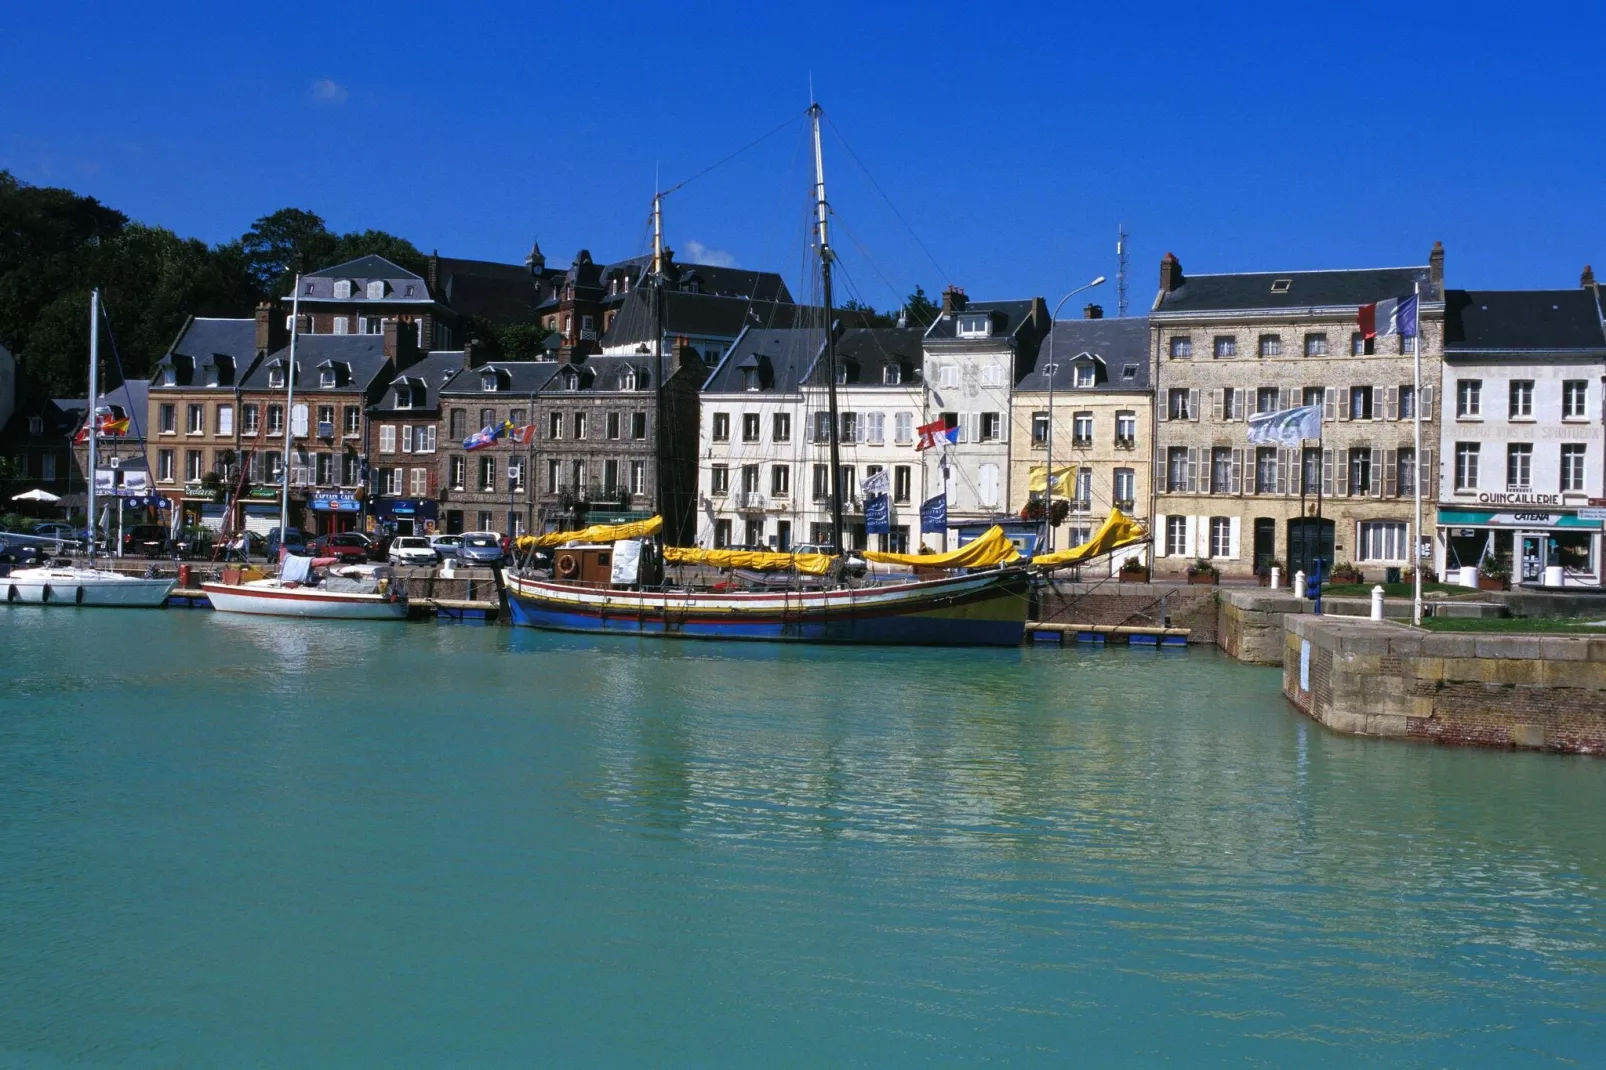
<point>230,841</point>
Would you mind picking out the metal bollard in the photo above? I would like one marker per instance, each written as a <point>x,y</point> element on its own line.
<point>1377,602</point>
<point>1276,578</point>
<point>1299,584</point>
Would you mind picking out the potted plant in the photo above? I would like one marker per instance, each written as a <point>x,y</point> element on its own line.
<point>1344,572</point>
<point>1493,576</point>
<point>1203,572</point>
<point>1133,570</point>
<point>1263,573</point>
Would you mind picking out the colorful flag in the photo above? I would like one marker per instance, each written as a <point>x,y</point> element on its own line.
<point>877,483</point>
<point>486,435</point>
<point>1397,315</point>
<point>936,433</point>
<point>1286,428</point>
<point>523,435</point>
<point>934,514</point>
<point>107,425</point>
<point>878,514</point>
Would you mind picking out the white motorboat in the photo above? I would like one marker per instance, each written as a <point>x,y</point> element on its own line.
<point>71,586</point>
<point>305,588</point>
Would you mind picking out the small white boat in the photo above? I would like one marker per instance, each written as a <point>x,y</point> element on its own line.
<point>351,592</point>
<point>70,586</point>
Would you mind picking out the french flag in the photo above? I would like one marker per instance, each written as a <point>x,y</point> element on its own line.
<point>1397,315</point>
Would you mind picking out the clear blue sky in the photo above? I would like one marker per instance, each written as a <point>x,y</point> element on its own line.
<point>1013,140</point>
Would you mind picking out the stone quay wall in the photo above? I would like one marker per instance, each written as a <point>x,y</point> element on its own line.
<point>1379,678</point>
<point>1250,627</point>
<point>1148,604</point>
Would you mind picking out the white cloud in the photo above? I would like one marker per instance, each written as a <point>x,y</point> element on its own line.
<point>327,91</point>
<point>698,253</point>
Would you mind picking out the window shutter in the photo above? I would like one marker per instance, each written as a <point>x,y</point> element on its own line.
<point>1193,403</point>
<point>1193,469</point>
<point>1329,404</point>
<point>1341,472</point>
<point>298,420</point>
<point>1238,404</point>
<point>1234,529</point>
<point>1237,473</point>
<point>1378,393</point>
<point>1391,469</point>
<point>1190,530</point>
<point>1285,398</point>
<point>1427,477</point>
<point>1344,402</point>
<point>1377,475</point>
<point>1393,403</point>
<point>1425,404</point>
<point>1162,549</point>
<point>1279,474</point>
<point>1003,427</point>
<point>1327,472</point>
<point>1216,404</point>
<point>407,438</point>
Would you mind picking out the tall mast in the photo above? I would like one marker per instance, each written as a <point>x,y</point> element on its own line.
<point>289,414</point>
<point>94,417</point>
<point>660,478</point>
<point>826,256</point>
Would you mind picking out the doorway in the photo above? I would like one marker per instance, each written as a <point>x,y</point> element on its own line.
<point>1532,558</point>
<point>1308,539</point>
<point>1265,543</point>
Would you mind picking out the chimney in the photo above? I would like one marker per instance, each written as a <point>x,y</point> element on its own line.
<point>400,343</point>
<point>271,335</point>
<point>1170,273</point>
<point>1093,312</point>
<point>1436,270</point>
<point>472,355</point>
<point>1587,279</point>
<point>953,299</point>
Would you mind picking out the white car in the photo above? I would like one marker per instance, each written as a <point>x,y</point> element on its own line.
<point>411,550</point>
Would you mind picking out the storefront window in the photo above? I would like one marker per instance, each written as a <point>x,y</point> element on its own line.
<point>1575,550</point>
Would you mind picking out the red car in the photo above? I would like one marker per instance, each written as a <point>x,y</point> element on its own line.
<point>346,546</point>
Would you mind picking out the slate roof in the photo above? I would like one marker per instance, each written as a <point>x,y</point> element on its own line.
<point>1253,291</point>
<point>699,314</point>
<point>604,373</point>
<point>1118,343</point>
<point>784,359</point>
<point>199,343</point>
<point>499,293</point>
<point>524,377</point>
<point>1008,316</point>
<point>866,351</point>
<point>1523,321</point>
<point>132,399</point>
<point>427,375</point>
<point>706,278</point>
<point>364,353</point>
<point>364,267</point>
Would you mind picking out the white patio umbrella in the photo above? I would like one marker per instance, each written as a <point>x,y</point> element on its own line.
<point>35,495</point>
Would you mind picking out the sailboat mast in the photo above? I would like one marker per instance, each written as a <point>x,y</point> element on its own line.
<point>826,256</point>
<point>94,419</point>
<point>289,414</point>
<point>660,478</point>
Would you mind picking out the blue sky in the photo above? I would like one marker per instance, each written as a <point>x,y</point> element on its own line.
<point>1012,140</point>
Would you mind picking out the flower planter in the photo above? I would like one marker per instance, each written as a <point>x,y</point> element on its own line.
<point>1337,578</point>
<point>1493,583</point>
<point>1201,578</point>
<point>1135,575</point>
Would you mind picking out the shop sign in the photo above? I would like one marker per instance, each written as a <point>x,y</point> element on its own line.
<point>1592,514</point>
<point>268,493</point>
<point>1518,497</point>
<point>335,502</point>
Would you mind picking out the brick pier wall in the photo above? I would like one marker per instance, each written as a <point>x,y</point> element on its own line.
<point>1384,679</point>
<point>1192,607</point>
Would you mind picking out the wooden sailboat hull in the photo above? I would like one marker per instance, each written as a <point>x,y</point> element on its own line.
<point>981,609</point>
<point>265,598</point>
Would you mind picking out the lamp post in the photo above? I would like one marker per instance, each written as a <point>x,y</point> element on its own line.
<point>1051,369</point>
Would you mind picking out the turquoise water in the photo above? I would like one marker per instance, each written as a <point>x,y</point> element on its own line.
<point>239,842</point>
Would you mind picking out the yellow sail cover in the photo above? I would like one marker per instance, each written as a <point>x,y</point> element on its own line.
<point>759,561</point>
<point>992,548</point>
<point>638,529</point>
<point>1118,530</point>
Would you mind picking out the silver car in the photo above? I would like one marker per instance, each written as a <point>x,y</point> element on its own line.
<point>411,550</point>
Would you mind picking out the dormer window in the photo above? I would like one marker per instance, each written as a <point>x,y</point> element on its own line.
<point>343,288</point>
<point>169,376</point>
<point>36,425</point>
<point>376,290</point>
<point>212,375</point>
<point>841,375</point>
<point>750,378</point>
<point>571,380</point>
<point>891,375</point>
<point>404,397</point>
<point>328,379</point>
<point>975,325</point>
<point>488,382</point>
<point>309,289</point>
<point>627,379</point>
<point>1129,371</point>
<point>276,376</point>
<point>1084,375</point>
<point>409,289</point>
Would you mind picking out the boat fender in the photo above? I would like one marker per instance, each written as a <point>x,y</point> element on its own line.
<point>78,599</point>
<point>567,565</point>
<point>44,593</point>
<point>11,592</point>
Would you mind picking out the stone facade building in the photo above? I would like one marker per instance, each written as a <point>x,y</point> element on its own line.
<point>1521,432</point>
<point>1102,423</point>
<point>1227,346</point>
<point>487,489</point>
<point>407,441</point>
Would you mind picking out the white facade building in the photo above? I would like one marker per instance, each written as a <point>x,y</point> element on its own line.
<point>1521,434</point>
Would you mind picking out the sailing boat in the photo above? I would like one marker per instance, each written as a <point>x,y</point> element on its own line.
<point>611,579</point>
<point>71,585</point>
<point>309,587</point>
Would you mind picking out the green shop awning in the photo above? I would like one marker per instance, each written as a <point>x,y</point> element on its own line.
<point>1514,518</point>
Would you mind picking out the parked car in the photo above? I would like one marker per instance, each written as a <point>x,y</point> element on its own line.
<point>345,545</point>
<point>446,545</point>
<point>294,541</point>
<point>481,548</point>
<point>149,540</point>
<point>411,550</point>
<point>379,547</point>
<point>62,532</point>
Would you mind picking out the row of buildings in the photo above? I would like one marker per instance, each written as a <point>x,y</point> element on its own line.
<point>728,434</point>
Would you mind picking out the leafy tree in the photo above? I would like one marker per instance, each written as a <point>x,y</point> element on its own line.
<point>513,341</point>
<point>398,251</point>
<point>283,243</point>
<point>922,313</point>
<point>871,317</point>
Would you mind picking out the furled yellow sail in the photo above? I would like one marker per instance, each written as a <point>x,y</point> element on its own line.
<point>992,547</point>
<point>1118,530</point>
<point>638,529</point>
<point>759,561</point>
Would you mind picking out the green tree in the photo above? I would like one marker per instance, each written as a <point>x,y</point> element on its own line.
<point>285,242</point>
<point>870,316</point>
<point>922,313</point>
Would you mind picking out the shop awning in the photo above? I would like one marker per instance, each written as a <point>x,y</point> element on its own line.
<point>1534,519</point>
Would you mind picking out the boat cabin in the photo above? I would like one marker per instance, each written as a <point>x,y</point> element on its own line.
<point>628,563</point>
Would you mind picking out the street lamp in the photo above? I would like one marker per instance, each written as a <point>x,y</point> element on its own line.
<point>1051,369</point>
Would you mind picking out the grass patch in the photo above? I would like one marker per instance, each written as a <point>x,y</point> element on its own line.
<point>1514,626</point>
<point>1391,590</point>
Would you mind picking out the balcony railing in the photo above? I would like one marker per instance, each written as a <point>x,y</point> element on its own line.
<point>1126,443</point>
<point>750,499</point>
<point>1124,504</point>
<point>1082,442</point>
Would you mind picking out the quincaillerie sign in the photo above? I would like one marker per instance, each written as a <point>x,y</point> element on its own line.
<point>1518,497</point>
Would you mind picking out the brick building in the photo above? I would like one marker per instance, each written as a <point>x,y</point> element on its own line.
<point>406,428</point>
<point>1102,423</point>
<point>1227,346</point>
<point>488,489</point>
